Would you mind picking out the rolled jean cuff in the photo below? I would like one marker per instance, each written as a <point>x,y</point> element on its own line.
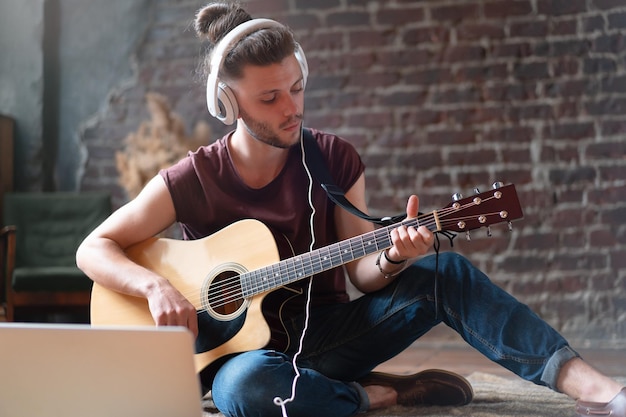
<point>551,372</point>
<point>364,404</point>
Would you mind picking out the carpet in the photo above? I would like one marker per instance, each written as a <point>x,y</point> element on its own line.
<point>494,396</point>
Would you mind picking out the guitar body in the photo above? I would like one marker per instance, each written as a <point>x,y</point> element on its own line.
<point>191,266</point>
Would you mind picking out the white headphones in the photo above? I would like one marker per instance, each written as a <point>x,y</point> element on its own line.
<point>220,99</point>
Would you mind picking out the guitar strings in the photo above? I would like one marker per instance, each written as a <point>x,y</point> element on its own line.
<point>307,261</point>
<point>229,290</point>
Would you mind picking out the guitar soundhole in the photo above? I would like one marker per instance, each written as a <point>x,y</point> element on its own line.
<point>222,295</point>
<point>226,295</point>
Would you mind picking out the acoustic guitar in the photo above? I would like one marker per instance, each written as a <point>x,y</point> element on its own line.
<point>227,275</point>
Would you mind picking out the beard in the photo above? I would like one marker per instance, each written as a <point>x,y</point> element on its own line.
<point>264,133</point>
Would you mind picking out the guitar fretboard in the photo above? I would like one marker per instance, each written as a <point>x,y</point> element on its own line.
<point>320,260</point>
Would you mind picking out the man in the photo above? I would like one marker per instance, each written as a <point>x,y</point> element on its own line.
<point>257,75</point>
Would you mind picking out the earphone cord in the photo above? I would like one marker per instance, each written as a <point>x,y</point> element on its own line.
<point>277,400</point>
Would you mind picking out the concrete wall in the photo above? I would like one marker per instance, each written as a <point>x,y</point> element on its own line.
<point>97,43</point>
<point>57,71</point>
<point>21,85</point>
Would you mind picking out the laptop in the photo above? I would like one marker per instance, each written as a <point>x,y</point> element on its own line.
<point>75,370</point>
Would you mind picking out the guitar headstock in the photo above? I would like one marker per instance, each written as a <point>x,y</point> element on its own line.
<point>498,205</point>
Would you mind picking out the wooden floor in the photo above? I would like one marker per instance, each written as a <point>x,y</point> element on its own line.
<point>441,348</point>
<point>444,349</point>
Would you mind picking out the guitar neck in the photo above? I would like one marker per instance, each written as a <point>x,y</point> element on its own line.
<point>326,258</point>
<point>464,214</point>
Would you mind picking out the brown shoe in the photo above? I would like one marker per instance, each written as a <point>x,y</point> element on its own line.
<point>615,408</point>
<point>430,387</point>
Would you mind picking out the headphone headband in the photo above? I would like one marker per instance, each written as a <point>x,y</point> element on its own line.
<point>220,99</point>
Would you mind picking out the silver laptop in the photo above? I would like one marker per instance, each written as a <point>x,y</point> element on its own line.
<point>51,370</point>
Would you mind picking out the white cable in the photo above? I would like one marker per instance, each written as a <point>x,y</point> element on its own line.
<point>277,400</point>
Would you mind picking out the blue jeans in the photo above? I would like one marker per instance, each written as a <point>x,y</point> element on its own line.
<point>346,341</point>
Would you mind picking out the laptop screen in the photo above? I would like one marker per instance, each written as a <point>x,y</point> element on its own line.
<point>76,370</point>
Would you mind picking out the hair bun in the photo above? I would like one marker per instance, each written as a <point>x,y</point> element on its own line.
<point>215,20</point>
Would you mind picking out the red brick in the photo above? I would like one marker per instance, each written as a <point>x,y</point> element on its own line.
<point>464,53</point>
<point>572,176</point>
<point>602,238</point>
<point>422,35</point>
<point>369,38</point>
<point>561,7</point>
<point>531,71</point>
<point>477,31</point>
<point>466,158</point>
<point>507,8</point>
<point>533,29</point>
<point>606,150</point>
<point>399,16</point>
<point>452,137</point>
<point>617,21</point>
<point>352,18</point>
<point>455,13</point>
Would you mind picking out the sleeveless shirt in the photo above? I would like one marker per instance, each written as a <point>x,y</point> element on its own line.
<point>208,195</point>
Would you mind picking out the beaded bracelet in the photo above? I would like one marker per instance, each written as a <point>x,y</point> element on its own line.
<point>388,275</point>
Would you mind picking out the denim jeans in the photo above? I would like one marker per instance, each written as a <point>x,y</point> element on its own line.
<point>346,341</point>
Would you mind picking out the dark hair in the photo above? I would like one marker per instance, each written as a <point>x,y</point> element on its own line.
<point>262,47</point>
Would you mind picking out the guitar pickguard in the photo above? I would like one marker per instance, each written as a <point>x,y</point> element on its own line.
<point>213,333</point>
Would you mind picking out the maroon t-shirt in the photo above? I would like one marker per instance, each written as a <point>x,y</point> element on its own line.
<point>209,195</point>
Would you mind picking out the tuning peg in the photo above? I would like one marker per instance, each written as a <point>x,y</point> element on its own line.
<point>468,237</point>
<point>488,231</point>
<point>476,190</point>
<point>510,226</point>
<point>497,184</point>
<point>457,196</point>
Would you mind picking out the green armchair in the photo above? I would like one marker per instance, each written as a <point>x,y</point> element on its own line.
<point>38,248</point>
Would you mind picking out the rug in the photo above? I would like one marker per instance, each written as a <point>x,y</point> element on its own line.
<point>494,396</point>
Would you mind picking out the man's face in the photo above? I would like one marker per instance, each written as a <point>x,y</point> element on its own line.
<point>271,102</point>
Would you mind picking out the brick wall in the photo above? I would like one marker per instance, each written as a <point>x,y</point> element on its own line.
<point>441,97</point>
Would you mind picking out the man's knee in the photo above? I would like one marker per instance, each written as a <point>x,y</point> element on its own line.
<point>257,369</point>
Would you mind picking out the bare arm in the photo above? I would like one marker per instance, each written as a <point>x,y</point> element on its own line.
<point>101,255</point>
<point>408,243</point>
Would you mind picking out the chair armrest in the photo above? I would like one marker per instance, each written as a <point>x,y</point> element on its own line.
<point>7,239</point>
<point>7,258</point>
<point>6,230</point>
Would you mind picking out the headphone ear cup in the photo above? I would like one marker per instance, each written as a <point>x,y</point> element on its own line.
<point>228,107</point>
<point>304,66</point>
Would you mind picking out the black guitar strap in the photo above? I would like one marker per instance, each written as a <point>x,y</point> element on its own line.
<point>316,163</point>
